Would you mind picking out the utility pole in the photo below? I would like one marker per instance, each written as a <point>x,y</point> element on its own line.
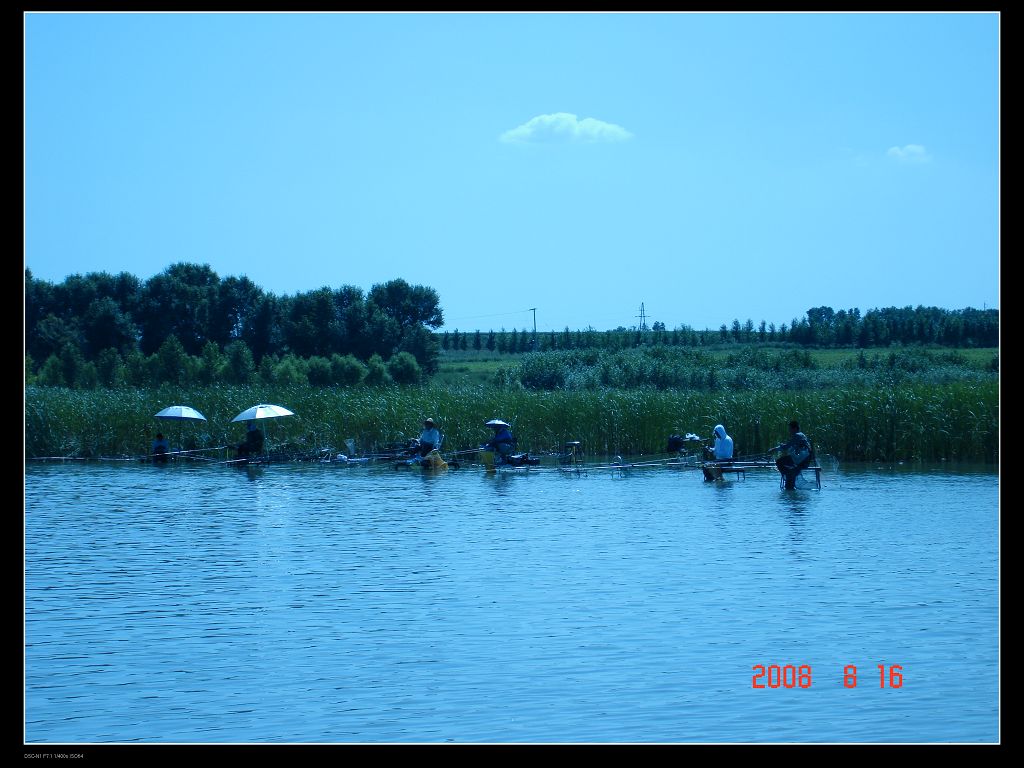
<point>643,318</point>
<point>533,341</point>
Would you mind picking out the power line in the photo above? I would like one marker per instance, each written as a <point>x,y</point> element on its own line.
<point>497,314</point>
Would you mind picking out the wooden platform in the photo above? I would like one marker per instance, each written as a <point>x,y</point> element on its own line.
<point>739,469</point>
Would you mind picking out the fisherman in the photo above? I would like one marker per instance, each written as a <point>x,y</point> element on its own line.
<point>797,454</point>
<point>502,443</point>
<point>721,451</point>
<point>253,443</point>
<point>161,447</point>
<point>430,437</point>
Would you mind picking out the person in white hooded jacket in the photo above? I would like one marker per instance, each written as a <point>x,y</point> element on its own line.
<point>722,451</point>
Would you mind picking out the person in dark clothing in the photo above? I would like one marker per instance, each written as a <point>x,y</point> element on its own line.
<point>253,443</point>
<point>796,457</point>
<point>160,448</point>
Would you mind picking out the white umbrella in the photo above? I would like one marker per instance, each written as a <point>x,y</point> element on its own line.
<point>180,412</point>
<point>262,411</point>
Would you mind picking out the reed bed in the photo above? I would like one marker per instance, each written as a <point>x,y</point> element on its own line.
<point>901,421</point>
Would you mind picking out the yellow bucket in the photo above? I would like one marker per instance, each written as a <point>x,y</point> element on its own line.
<point>487,457</point>
<point>433,460</point>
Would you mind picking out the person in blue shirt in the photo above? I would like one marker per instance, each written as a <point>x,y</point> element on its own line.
<point>430,437</point>
<point>502,443</point>
<point>796,457</point>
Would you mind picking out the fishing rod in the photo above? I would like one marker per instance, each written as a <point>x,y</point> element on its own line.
<point>184,453</point>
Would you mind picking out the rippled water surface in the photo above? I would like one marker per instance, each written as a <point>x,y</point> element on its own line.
<point>187,604</point>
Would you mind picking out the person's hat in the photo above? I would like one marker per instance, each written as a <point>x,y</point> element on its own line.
<point>429,421</point>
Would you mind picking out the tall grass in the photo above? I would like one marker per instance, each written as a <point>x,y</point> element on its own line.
<point>909,421</point>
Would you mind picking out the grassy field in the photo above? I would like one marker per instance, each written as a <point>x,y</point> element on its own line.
<point>470,367</point>
<point>474,367</point>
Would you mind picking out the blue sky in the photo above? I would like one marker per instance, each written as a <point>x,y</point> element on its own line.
<point>709,166</point>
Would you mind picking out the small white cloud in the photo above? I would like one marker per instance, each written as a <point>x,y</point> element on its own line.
<point>563,127</point>
<point>911,153</point>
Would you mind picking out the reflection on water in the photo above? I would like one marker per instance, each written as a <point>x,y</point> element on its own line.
<point>327,604</point>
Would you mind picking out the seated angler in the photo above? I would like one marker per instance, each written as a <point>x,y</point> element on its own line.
<point>161,447</point>
<point>430,437</point>
<point>502,443</point>
<point>253,443</point>
<point>721,451</point>
<point>796,455</point>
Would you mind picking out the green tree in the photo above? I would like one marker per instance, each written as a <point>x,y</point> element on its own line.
<point>38,304</point>
<point>409,305</point>
<point>318,371</point>
<point>313,325</point>
<point>175,367</point>
<point>71,362</point>
<point>110,368</point>
<point>235,310</point>
<point>376,372</point>
<point>422,345</point>
<point>291,370</point>
<point>240,367</point>
<point>136,369</point>
<point>346,371</point>
<point>51,335</point>
<point>265,372</point>
<point>262,333</point>
<point>179,302</point>
<point>52,373</point>
<point>210,364</point>
<point>88,377</point>
<point>105,326</point>
<point>403,368</point>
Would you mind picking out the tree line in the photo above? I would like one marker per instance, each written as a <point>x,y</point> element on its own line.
<point>187,323</point>
<point>822,327</point>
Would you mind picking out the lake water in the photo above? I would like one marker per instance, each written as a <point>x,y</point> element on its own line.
<point>322,604</point>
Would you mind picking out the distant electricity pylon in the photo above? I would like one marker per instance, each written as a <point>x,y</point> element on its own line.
<point>643,317</point>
